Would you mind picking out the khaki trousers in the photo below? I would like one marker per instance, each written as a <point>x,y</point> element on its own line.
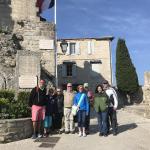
<point>69,122</point>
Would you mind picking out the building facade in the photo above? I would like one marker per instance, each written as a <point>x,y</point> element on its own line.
<point>87,60</point>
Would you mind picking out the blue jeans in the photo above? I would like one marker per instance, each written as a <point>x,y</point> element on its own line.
<point>81,118</point>
<point>48,121</point>
<point>102,122</point>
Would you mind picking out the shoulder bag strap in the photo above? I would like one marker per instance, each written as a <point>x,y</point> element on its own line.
<point>81,98</point>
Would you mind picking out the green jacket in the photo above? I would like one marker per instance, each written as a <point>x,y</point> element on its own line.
<point>101,102</point>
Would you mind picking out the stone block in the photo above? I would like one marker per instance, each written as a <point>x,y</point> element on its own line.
<point>2,139</point>
<point>3,130</point>
<point>11,124</point>
<point>16,129</point>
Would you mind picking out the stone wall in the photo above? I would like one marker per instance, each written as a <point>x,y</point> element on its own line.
<point>15,129</point>
<point>30,30</point>
<point>33,32</point>
<point>24,10</point>
<point>5,14</point>
<point>8,50</point>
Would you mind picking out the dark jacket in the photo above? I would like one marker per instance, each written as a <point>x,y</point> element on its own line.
<point>37,97</point>
<point>101,102</point>
<point>50,105</point>
<point>60,103</point>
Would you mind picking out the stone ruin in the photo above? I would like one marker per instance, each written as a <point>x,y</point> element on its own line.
<point>146,93</point>
<point>22,33</point>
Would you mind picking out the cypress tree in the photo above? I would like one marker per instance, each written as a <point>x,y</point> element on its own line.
<point>126,76</point>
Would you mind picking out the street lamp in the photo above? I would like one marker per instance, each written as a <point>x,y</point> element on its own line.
<point>64,46</point>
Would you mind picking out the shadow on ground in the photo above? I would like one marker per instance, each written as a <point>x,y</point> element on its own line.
<point>125,127</point>
<point>48,142</point>
<point>121,128</point>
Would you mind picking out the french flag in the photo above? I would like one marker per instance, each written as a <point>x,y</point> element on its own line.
<point>44,4</point>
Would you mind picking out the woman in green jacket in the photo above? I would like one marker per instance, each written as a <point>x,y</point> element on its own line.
<point>101,107</point>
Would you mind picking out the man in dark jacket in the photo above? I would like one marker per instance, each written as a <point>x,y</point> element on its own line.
<point>37,101</point>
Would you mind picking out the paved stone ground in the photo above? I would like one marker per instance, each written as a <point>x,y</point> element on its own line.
<point>134,134</point>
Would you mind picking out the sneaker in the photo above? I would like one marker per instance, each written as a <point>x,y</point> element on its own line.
<point>84,134</point>
<point>87,132</point>
<point>39,135</point>
<point>80,134</point>
<point>105,135</point>
<point>45,135</point>
<point>101,134</point>
<point>115,134</point>
<point>34,136</point>
<point>67,132</point>
<point>72,132</point>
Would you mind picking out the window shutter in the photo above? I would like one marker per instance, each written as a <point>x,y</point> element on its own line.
<point>89,47</point>
<point>77,48</point>
<point>74,70</point>
<point>92,46</point>
<point>68,49</point>
<point>64,70</point>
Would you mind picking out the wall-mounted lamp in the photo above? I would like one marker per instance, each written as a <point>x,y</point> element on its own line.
<point>64,46</point>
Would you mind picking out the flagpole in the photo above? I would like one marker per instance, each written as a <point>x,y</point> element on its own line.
<point>55,43</point>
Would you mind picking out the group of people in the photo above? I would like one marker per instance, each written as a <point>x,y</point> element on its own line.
<point>53,110</point>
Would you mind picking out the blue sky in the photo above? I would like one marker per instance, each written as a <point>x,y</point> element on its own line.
<point>119,18</point>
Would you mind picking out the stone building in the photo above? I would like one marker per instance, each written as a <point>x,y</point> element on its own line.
<point>32,35</point>
<point>86,60</point>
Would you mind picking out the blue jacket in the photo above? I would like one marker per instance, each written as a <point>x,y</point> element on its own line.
<point>84,104</point>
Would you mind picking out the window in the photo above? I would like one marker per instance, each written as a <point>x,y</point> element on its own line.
<point>72,48</point>
<point>69,69</point>
<point>95,65</point>
<point>96,68</point>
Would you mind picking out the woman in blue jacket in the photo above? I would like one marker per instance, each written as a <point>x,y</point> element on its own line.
<point>81,100</point>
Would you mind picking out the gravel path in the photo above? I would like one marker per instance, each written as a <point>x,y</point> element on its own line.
<point>134,134</point>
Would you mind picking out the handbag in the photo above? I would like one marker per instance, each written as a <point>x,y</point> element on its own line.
<point>75,108</point>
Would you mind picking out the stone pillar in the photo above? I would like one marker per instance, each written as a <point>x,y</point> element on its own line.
<point>146,94</point>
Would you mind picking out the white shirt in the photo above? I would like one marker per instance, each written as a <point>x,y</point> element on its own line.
<point>110,91</point>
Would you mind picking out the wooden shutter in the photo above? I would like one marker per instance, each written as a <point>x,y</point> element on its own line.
<point>77,48</point>
<point>92,46</point>
<point>64,70</point>
<point>74,70</point>
<point>89,47</point>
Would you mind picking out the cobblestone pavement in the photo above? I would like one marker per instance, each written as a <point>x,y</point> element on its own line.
<point>134,134</point>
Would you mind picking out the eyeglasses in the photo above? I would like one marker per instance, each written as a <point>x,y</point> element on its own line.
<point>69,86</point>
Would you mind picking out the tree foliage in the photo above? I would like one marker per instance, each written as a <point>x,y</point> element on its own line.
<point>126,76</point>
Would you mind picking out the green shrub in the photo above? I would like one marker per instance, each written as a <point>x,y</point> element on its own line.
<point>11,108</point>
<point>23,96</point>
<point>22,104</point>
<point>7,94</point>
<point>4,101</point>
<point>4,104</point>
